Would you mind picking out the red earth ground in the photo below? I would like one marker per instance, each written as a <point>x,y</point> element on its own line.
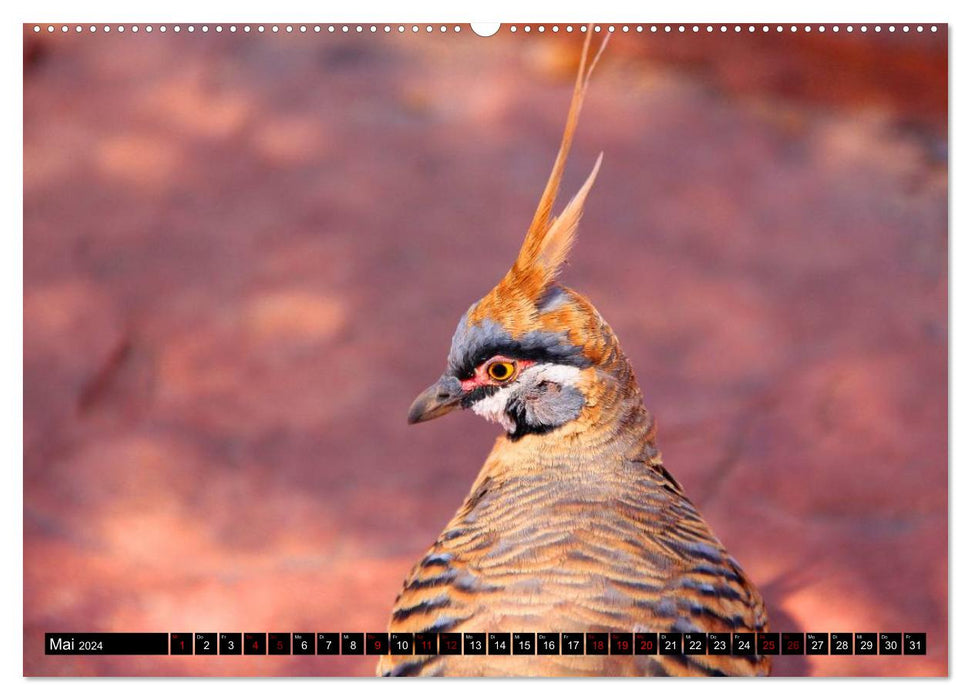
<point>245,254</point>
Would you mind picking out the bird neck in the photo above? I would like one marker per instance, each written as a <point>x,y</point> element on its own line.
<point>613,427</point>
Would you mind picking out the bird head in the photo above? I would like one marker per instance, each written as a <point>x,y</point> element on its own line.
<point>526,355</point>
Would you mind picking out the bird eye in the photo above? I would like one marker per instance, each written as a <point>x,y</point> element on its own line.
<point>501,371</point>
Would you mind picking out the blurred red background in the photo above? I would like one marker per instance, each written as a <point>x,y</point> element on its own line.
<point>245,254</point>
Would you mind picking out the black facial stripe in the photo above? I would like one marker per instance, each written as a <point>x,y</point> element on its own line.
<point>480,392</point>
<point>527,429</point>
<point>473,345</point>
<point>518,351</point>
<point>517,412</point>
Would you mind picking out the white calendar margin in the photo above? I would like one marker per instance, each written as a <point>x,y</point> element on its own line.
<point>508,11</point>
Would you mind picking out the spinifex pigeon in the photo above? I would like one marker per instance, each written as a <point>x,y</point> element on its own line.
<point>573,524</point>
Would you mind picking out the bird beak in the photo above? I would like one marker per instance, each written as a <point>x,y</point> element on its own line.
<point>440,398</point>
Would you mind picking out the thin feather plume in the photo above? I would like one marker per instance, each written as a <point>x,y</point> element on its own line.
<point>548,240</point>
<point>559,238</point>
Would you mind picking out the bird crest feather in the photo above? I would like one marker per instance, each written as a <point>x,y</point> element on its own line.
<point>549,238</point>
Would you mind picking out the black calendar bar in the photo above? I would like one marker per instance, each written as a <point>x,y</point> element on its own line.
<point>481,643</point>
<point>106,643</point>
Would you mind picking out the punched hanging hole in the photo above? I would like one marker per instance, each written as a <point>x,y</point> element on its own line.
<point>485,28</point>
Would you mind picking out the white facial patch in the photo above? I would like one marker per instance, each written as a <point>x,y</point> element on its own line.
<point>493,408</point>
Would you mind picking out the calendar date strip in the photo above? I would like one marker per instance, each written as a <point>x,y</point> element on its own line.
<point>482,643</point>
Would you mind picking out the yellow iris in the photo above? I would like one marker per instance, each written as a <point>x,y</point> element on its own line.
<point>501,371</point>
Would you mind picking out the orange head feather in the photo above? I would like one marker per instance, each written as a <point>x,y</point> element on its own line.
<point>521,300</point>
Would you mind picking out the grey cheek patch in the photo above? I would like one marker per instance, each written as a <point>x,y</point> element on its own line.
<point>543,405</point>
<point>549,405</point>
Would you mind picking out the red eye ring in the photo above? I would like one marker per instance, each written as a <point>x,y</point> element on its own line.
<point>484,377</point>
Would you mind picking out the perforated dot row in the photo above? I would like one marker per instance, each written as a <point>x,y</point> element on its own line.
<point>725,28</point>
<point>428,28</point>
<point>233,28</point>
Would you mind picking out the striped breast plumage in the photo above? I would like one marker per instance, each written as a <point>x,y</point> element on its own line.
<point>558,547</point>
